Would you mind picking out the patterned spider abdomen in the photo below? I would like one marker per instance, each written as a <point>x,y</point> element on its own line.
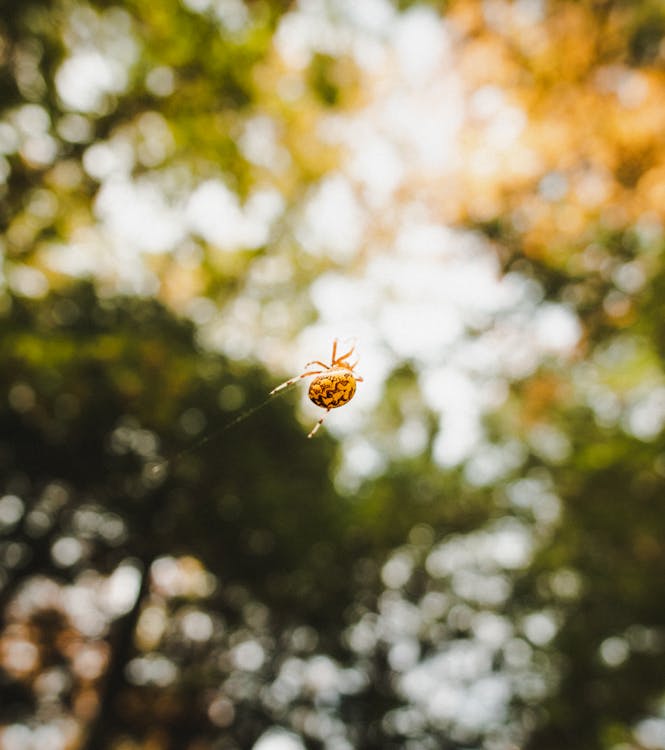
<point>332,388</point>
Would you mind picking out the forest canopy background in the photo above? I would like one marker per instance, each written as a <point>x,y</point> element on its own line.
<point>197,196</point>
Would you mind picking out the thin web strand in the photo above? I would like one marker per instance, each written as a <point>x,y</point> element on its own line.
<point>160,467</point>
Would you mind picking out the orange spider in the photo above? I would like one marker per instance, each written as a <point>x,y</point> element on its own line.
<point>334,386</point>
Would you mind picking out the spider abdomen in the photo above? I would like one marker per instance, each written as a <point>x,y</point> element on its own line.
<point>332,388</point>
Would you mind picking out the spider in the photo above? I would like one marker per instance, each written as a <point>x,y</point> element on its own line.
<point>335,384</point>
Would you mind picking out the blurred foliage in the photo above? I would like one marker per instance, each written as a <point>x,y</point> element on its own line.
<point>235,539</point>
<point>168,583</point>
<point>253,538</point>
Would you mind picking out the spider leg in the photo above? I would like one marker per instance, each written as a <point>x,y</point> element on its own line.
<point>334,351</point>
<point>287,383</point>
<point>318,362</point>
<point>341,359</point>
<point>317,425</point>
<point>359,378</point>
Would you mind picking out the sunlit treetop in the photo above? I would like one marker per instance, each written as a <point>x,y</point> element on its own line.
<point>113,116</point>
<point>585,114</point>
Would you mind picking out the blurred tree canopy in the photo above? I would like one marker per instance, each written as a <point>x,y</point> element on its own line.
<point>166,582</point>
